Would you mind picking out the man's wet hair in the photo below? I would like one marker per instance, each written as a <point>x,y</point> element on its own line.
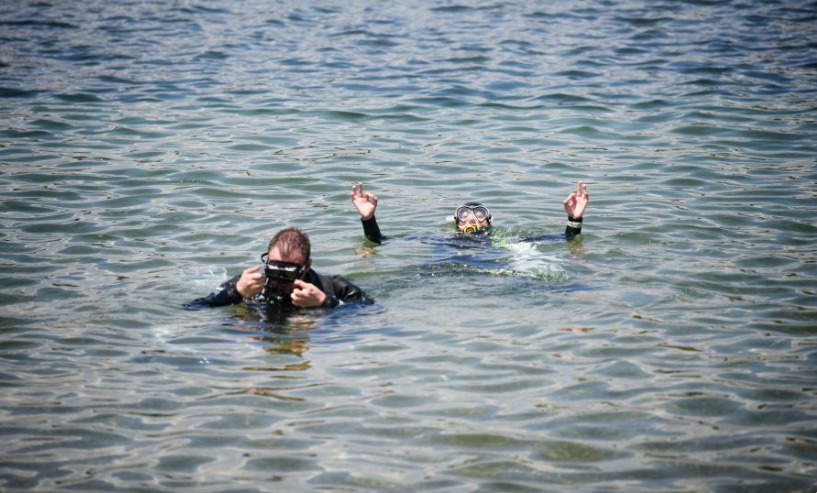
<point>291,241</point>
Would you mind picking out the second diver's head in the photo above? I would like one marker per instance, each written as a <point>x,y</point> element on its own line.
<point>471,217</point>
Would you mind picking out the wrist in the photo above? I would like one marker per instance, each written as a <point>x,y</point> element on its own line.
<point>574,222</point>
<point>330,301</point>
<point>239,292</point>
<point>233,293</point>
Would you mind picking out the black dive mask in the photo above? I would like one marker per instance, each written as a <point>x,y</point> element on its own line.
<point>280,278</point>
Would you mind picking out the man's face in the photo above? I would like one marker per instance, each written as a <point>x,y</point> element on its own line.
<point>285,286</point>
<point>471,219</point>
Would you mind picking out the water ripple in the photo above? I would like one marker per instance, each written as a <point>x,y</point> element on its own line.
<point>148,152</point>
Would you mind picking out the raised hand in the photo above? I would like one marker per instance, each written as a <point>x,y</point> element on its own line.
<point>366,203</point>
<point>576,202</point>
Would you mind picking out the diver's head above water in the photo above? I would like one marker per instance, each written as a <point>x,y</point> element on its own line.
<point>286,261</point>
<point>472,217</point>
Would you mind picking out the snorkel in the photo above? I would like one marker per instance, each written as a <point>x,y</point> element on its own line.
<point>470,229</point>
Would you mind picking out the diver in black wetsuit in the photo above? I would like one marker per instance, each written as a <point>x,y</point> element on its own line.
<point>287,282</point>
<point>472,218</point>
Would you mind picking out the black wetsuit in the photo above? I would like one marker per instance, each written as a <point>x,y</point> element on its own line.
<point>337,289</point>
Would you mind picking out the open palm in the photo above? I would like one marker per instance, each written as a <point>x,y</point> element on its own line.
<point>366,203</point>
<point>576,202</point>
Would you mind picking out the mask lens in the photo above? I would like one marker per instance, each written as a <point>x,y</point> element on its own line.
<point>283,271</point>
<point>480,213</point>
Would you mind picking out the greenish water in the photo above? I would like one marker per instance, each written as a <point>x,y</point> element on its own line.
<point>149,150</point>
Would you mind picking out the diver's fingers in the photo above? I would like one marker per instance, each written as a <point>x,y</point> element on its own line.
<point>250,283</point>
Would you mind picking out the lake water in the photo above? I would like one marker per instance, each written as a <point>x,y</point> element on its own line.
<point>149,150</point>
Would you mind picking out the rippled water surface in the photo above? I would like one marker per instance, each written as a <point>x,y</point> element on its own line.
<point>148,150</point>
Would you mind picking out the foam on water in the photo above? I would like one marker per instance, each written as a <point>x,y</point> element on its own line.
<point>530,261</point>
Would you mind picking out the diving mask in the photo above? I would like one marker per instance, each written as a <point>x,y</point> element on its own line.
<point>280,277</point>
<point>479,211</point>
<point>285,272</point>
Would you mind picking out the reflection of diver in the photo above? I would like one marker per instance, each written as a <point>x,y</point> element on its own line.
<point>282,330</point>
<point>288,281</point>
<point>473,219</point>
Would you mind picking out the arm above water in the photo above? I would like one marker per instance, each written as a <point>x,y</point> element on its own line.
<point>250,283</point>
<point>340,291</point>
<point>226,294</point>
<point>366,204</point>
<point>575,205</point>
